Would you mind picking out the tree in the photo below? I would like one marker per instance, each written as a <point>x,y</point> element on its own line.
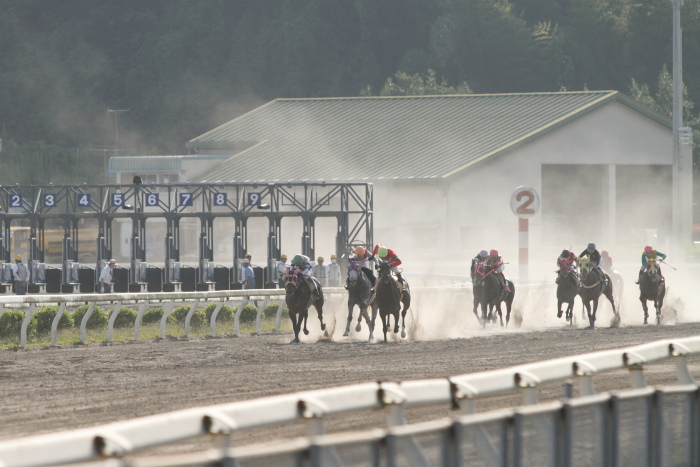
<point>418,85</point>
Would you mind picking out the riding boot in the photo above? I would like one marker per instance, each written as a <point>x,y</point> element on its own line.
<point>639,279</point>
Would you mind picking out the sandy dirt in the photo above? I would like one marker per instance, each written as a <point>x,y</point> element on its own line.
<point>48,390</point>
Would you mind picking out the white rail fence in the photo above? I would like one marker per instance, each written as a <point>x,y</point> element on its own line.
<point>641,427</point>
<point>143,301</point>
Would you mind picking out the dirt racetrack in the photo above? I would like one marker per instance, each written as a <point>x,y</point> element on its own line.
<point>48,390</point>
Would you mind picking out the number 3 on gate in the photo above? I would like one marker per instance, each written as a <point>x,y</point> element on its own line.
<point>524,202</point>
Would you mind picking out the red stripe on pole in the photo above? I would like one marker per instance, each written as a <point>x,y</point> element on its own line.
<point>522,224</point>
<point>523,256</point>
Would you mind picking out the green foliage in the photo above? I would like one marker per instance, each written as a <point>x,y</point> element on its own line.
<point>154,315</point>
<point>249,313</point>
<point>11,324</point>
<point>126,318</point>
<point>199,317</point>
<point>225,314</point>
<point>270,311</point>
<point>419,85</point>
<point>97,320</point>
<point>44,317</point>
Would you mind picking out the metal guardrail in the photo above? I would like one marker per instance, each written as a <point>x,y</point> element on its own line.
<point>123,438</point>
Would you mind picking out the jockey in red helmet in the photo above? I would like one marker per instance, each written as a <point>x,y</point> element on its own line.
<point>649,253</point>
<point>494,261</point>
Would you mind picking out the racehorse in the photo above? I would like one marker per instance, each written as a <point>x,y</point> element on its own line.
<point>491,296</point>
<point>567,289</point>
<point>591,290</point>
<point>388,297</point>
<point>652,287</point>
<point>359,293</point>
<point>299,298</point>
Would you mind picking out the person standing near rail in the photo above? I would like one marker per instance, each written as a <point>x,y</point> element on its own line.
<point>20,273</point>
<point>335,278</point>
<point>107,277</point>
<point>282,271</point>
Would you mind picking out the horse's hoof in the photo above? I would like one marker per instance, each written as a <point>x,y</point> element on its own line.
<point>323,327</point>
<point>306,332</point>
<point>645,321</point>
<point>346,333</point>
<point>396,329</point>
<point>403,334</point>
<point>559,314</point>
<point>295,341</point>
<point>358,328</point>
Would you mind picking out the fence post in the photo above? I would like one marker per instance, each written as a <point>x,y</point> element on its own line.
<point>193,308</point>
<point>110,324</point>
<point>278,317</point>
<point>258,316</point>
<point>212,325</point>
<point>54,325</point>
<point>83,323</point>
<point>237,317</point>
<point>164,319</point>
<point>137,323</point>
<point>25,325</point>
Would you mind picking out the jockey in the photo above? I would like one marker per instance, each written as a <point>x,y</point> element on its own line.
<point>302,268</point>
<point>568,260</point>
<point>594,257</point>
<point>494,261</point>
<point>389,255</point>
<point>479,258</point>
<point>363,256</point>
<point>650,253</point>
<point>606,261</point>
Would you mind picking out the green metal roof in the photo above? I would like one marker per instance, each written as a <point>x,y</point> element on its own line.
<point>417,137</point>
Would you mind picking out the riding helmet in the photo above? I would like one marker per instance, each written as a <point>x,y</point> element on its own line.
<point>565,253</point>
<point>298,260</point>
<point>382,252</point>
<point>648,249</point>
<point>483,254</point>
<point>493,253</point>
<point>359,250</point>
<point>591,246</point>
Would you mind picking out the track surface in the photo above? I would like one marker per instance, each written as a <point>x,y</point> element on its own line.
<point>48,390</point>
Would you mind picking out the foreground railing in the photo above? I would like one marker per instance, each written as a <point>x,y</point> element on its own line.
<point>607,428</point>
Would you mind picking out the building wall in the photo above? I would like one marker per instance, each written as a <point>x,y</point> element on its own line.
<point>478,203</point>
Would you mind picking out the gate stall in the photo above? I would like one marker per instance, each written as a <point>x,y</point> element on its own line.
<point>351,204</point>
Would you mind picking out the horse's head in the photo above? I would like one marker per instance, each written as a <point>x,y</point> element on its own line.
<point>291,279</point>
<point>353,270</point>
<point>586,267</point>
<point>479,273</point>
<point>384,271</point>
<point>652,267</point>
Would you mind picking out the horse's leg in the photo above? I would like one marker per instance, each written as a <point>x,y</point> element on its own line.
<point>559,310</point>
<point>351,305</point>
<point>644,307</point>
<point>372,321</point>
<point>499,311</point>
<point>318,304</point>
<point>509,304</point>
<point>591,316</point>
<point>293,315</point>
<point>659,302</point>
<point>385,322</point>
<point>363,314</point>
<point>305,317</point>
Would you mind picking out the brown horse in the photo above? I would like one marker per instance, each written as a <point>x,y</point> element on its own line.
<point>299,298</point>
<point>388,298</point>
<point>592,287</point>
<point>567,289</point>
<point>652,287</point>
<point>491,296</point>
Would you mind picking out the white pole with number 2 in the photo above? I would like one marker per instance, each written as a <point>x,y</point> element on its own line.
<point>524,202</point>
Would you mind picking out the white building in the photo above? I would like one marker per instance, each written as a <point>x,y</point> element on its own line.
<point>444,167</point>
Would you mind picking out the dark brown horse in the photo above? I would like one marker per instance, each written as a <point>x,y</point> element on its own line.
<point>491,296</point>
<point>652,287</point>
<point>359,293</point>
<point>299,298</point>
<point>567,289</point>
<point>592,287</point>
<point>388,297</point>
